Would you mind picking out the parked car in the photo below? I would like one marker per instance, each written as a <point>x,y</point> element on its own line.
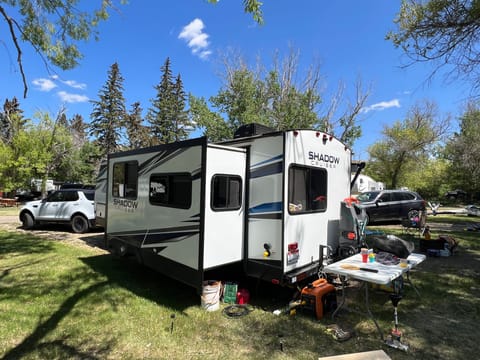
<point>472,210</point>
<point>73,206</point>
<point>391,205</point>
<point>455,194</point>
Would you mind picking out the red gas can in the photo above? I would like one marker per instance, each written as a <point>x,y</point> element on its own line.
<point>243,296</point>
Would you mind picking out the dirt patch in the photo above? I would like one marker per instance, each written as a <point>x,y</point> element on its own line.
<point>94,239</point>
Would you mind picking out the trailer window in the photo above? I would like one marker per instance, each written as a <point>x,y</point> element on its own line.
<point>173,190</point>
<point>226,192</point>
<point>125,179</point>
<point>307,189</point>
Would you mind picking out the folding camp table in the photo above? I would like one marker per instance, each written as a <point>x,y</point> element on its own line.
<point>384,275</point>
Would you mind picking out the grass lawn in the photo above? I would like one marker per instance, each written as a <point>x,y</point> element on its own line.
<point>61,301</point>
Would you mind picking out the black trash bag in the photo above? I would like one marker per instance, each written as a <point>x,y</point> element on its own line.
<point>392,244</point>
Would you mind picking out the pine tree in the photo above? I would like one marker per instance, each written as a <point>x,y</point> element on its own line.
<point>137,133</point>
<point>109,113</point>
<point>162,116</point>
<point>11,120</point>
<point>181,120</point>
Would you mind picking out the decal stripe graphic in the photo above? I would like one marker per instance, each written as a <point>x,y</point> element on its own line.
<point>266,211</point>
<point>159,237</point>
<point>266,207</point>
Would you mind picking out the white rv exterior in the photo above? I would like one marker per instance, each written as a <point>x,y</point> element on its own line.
<point>101,195</point>
<point>366,183</point>
<point>267,201</point>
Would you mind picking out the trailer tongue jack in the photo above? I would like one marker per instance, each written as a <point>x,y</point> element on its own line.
<point>395,336</point>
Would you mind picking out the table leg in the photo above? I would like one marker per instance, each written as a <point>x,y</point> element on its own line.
<point>370,314</point>
<point>411,284</point>
<point>367,305</point>
<point>339,306</point>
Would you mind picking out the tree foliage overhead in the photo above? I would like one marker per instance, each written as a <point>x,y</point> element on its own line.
<point>253,7</point>
<point>406,144</point>
<point>446,32</point>
<point>109,113</point>
<point>52,28</point>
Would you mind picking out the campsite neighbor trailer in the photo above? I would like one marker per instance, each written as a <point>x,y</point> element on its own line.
<point>365,183</point>
<point>266,201</point>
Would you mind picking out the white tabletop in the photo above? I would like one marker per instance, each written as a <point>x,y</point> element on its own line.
<point>385,274</point>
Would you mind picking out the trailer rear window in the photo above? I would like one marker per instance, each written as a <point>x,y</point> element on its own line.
<point>125,180</point>
<point>172,190</point>
<point>307,189</point>
<point>226,192</point>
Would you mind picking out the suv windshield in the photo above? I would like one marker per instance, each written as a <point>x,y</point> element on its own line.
<point>368,196</point>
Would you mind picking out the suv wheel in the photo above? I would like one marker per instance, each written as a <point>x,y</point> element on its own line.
<point>79,224</point>
<point>27,221</point>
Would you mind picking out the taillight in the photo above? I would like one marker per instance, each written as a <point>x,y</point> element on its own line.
<point>350,235</point>
<point>293,253</point>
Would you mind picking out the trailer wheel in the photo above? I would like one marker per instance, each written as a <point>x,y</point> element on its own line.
<point>79,224</point>
<point>27,221</point>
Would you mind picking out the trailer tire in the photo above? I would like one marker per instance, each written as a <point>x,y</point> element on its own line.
<point>79,224</point>
<point>27,221</point>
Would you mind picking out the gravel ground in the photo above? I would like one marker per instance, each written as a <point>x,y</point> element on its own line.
<point>93,239</point>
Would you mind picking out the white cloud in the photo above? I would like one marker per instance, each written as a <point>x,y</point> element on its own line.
<point>44,84</point>
<point>382,106</point>
<point>196,39</point>
<point>72,98</point>
<point>75,85</point>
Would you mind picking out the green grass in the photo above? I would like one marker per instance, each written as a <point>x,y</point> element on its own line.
<point>59,301</point>
<point>12,210</point>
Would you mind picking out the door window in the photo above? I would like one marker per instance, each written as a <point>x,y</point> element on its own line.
<point>226,192</point>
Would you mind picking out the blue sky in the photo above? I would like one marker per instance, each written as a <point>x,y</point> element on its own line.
<point>346,36</point>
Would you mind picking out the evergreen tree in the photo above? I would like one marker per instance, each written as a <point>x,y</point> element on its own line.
<point>181,120</point>
<point>78,130</point>
<point>11,120</point>
<point>109,113</point>
<point>137,133</point>
<point>166,114</point>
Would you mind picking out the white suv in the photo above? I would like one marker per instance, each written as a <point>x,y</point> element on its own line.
<point>74,206</point>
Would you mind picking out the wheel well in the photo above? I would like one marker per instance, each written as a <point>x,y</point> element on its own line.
<point>79,213</point>
<point>25,212</point>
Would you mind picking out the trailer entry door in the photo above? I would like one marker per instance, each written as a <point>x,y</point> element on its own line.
<point>224,206</point>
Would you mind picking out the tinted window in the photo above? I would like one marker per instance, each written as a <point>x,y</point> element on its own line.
<point>367,196</point>
<point>307,189</point>
<point>63,196</point>
<point>385,197</point>
<point>90,195</point>
<point>174,190</point>
<point>402,196</point>
<point>226,192</point>
<point>125,180</point>
<point>70,196</point>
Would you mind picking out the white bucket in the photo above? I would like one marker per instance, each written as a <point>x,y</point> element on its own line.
<point>211,292</point>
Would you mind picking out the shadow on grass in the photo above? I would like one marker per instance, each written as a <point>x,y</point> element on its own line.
<point>143,282</point>
<point>33,341</point>
<point>13,243</point>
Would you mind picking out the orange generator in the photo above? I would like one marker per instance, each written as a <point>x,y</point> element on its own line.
<point>319,297</point>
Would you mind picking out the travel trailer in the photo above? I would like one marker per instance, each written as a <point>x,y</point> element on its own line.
<point>365,183</point>
<point>269,201</point>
